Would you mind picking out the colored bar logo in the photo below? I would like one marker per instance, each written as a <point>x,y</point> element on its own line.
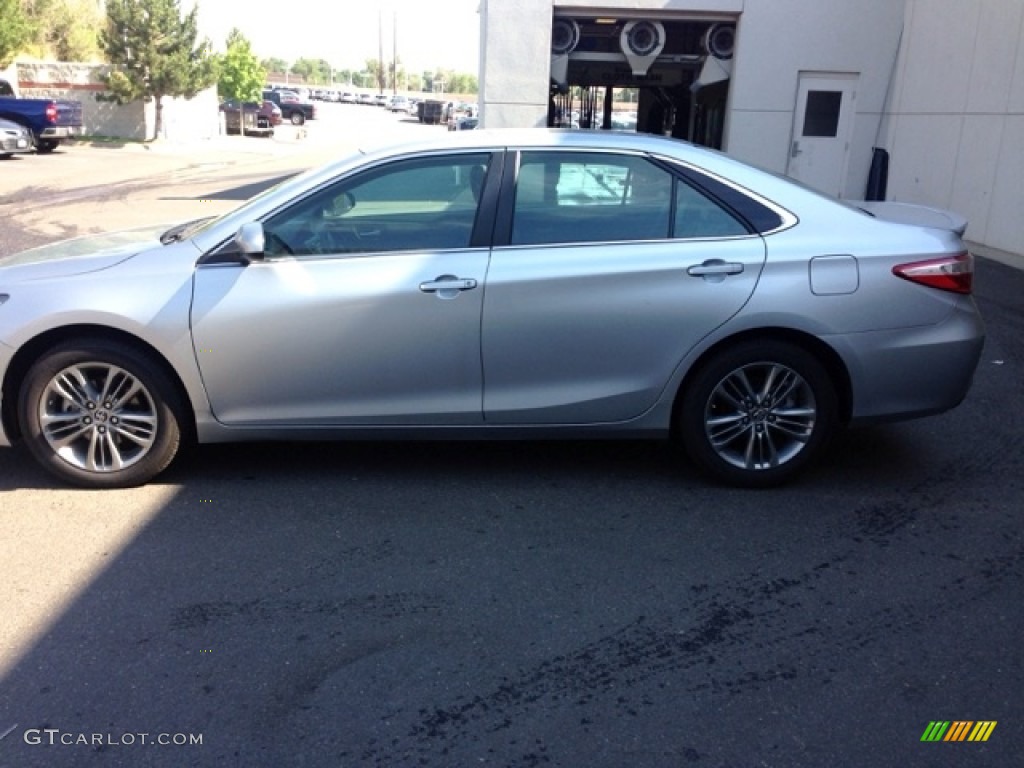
<point>958,730</point>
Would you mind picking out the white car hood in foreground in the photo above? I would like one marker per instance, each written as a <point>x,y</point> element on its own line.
<point>916,215</point>
<point>81,255</point>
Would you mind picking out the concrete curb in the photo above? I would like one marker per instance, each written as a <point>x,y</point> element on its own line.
<point>286,137</point>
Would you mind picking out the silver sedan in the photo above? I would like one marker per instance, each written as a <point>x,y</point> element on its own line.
<point>515,284</point>
<point>14,138</point>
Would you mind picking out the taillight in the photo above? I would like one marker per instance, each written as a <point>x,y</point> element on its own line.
<point>950,273</point>
<point>51,112</point>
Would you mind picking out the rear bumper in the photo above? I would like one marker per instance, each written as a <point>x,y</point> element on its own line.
<point>61,132</point>
<point>911,372</point>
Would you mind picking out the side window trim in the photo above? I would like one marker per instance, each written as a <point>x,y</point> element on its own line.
<point>485,226</point>
<point>507,198</point>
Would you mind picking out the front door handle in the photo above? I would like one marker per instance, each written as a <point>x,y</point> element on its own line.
<point>448,286</point>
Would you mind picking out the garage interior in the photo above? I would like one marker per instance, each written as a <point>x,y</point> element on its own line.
<point>677,70</point>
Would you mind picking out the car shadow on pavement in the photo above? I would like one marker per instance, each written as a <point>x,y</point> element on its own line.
<point>877,455</point>
<point>241,192</point>
<point>370,603</point>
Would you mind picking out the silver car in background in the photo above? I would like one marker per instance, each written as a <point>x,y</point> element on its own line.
<point>514,284</point>
<point>14,138</point>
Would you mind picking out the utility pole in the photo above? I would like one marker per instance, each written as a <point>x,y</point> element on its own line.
<point>380,52</point>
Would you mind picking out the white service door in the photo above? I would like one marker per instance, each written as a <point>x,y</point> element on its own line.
<point>822,126</point>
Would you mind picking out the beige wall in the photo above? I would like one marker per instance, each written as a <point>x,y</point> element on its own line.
<point>955,123</point>
<point>776,40</point>
<point>184,119</point>
<point>940,85</point>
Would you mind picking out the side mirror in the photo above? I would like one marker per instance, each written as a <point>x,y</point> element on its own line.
<point>340,205</point>
<point>250,242</point>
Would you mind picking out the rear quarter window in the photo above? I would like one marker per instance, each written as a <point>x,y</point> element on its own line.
<point>757,216</point>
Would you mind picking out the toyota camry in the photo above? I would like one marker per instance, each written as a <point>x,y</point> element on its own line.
<point>514,284</point>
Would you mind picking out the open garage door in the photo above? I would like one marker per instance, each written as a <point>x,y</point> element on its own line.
<point>667,75</point>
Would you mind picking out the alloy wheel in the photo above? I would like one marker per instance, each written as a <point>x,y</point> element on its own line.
<point>760,416</point>
<point>98,417</point>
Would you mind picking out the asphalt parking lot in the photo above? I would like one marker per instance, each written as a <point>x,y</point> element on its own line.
<point>507,604</point>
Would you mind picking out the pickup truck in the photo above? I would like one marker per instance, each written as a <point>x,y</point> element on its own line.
<point>48,120</point>
<point>297,112</point>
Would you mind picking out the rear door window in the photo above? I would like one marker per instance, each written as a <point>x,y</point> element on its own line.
<point>567,197</point>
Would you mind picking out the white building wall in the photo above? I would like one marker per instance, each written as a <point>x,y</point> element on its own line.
<point>940,86</point>
<point>955,125</point>
<point>515,61</point>
<point>183,119</point>
<point>776,40</point>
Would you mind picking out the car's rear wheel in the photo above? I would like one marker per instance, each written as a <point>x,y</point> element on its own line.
<point>298,118</point>
<point>99,414</point>
<point>758,413</point>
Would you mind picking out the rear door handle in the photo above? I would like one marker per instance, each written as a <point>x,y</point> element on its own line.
<point>715,268</point>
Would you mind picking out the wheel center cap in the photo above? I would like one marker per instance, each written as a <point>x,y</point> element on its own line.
<point>100,415</point>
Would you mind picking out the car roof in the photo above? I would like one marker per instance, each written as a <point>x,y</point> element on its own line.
<point>763,183</point>
<point>555,138</point>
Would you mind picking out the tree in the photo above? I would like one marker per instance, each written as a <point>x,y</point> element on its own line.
<point>15,31</point>
<point>67,30</point>
<point>274,65</point>
<point>377,73</point>
<point>153,53</point>
<point>312,71</point>
<point>241,75</point>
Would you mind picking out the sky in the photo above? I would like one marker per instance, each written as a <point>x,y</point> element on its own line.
<point>430,33</point>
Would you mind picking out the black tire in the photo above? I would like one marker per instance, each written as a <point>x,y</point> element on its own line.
<point>298,118</point>
<point>118,441</point>
<point>45,146</point>
<point>756,414</point>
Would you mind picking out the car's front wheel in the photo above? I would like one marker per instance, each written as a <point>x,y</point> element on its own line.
<point>99,414</point>
<point>755,414</point>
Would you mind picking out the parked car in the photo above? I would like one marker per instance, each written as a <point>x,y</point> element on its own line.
<point>380,99</point>
<point>494,284</point>
<point>399,104</point>
<point>294,111</point>
<point>49,121</point>
<point>364,98</point>
<point>259,118</point>
<point>463,124</point>
<point>348,98</point>
<point>14,138</point>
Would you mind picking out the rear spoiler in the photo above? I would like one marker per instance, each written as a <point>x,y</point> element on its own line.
<point>916,215</point>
